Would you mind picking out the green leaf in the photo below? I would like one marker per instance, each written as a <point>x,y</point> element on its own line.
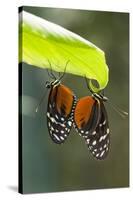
<point>42,42</point>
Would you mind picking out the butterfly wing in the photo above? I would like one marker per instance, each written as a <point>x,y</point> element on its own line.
<point>61,103</point>
<point>98,141</point>
<point>86,115</point>
<point>91,122</point>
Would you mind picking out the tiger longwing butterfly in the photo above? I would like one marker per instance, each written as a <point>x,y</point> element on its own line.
<point>60,109</point>
<point>91,122</point>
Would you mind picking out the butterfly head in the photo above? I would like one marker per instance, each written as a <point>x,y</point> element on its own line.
<point>52,83</point>
<point>96,95</point>
<point>99,96</point>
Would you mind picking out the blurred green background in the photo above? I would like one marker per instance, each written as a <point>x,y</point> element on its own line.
<point>48,167</point>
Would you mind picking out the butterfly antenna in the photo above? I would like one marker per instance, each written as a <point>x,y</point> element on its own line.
<point>122,113</point>
<point>64,70</point>
<point>51,74</point>
<point>41,100</point>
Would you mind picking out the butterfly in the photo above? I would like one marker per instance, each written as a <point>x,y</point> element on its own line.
<point>91,122</point>
<point>60,109</point>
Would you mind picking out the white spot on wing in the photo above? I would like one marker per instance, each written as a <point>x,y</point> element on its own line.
<point>69,123</point>
<point>94,142</point>
<point>56,137</point>
<point>48,115</point>
<point>102,153</point>
<point>62,119</point>
<point>52,128</point>
<point>107,130</point>
<point>56,116</point>
<point>101,148</point>
<point>62,131</point>
<point>100,138</point>
<point>88,140</point>
<point>104,136</point>
<point>94,132</point>
<point>104,122</point>
<point>97,154</point>
<point>62,138</point>
<point>65,135</point>
<point>52,119</point>
<point>86,132</point>
<point>63,125</point>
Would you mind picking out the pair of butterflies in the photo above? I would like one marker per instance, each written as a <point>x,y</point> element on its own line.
<point>87,115</point>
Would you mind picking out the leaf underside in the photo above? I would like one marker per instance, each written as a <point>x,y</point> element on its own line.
<point>42,42</point>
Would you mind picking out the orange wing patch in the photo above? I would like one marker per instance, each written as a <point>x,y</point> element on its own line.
<point>83,110</point>
<point>64,100</point>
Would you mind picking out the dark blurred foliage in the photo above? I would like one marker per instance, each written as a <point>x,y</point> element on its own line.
<point>48,167</point>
